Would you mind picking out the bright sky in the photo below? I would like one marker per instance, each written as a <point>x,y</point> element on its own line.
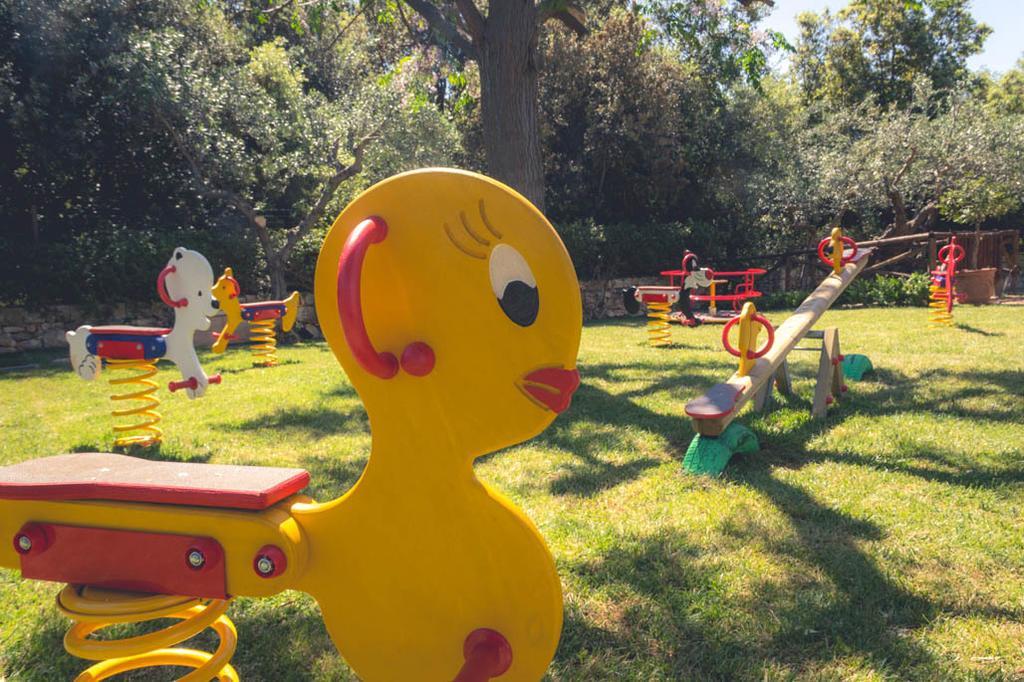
<point>1005,17</point>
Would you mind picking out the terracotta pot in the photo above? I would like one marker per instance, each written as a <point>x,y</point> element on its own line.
<point>977,286</point>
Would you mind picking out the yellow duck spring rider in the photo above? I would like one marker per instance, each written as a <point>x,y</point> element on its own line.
<point>261,317</point>
<point>454,309</point>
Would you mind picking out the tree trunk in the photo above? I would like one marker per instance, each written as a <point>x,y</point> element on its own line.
<point>278,284</point>
<point>976,246</point>
<point>508,97</point>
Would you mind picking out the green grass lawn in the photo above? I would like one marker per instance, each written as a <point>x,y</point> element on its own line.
<point>883,543</point>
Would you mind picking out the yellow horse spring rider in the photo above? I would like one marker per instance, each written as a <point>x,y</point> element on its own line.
<point>454,309</point>
<point>261,317</point>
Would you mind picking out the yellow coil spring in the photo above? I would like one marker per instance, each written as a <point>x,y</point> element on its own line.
<point>939,315</point>
<point>144,416</point>
<point>659,330</point>
<point>264,343</point>
<point>93,609</point>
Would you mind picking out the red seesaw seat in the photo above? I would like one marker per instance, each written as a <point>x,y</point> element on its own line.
<point>102,476</point>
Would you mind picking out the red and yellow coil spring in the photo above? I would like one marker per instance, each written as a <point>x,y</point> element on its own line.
<point>263,338</point>
<point>942,292</point>
<point>659,329</point>
<point>94,609</point>
<point>940,303</point>
<point>143,431</point>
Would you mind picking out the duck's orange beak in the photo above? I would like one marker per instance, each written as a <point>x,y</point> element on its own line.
<point>551,387</point>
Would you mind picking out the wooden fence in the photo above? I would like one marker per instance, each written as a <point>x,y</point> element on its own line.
<point>798,269</point>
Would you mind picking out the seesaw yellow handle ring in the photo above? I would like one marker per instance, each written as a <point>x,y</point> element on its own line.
<point>750,355</point>
<point>836,259</point>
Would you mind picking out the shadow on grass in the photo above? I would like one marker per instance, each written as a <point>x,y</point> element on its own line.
<point>284,640</point>
<point>251,368</point>
<point>601,422</point>
<point>36,364</point>
<point>315,421</point>
<point>670,616</point>
<point>656,626</point>
<point>160,452</point>
<point>40,657</point>
<point>870,611</point>
<point>896,393</point>
<point>331,476</point>
<point>975,330</point>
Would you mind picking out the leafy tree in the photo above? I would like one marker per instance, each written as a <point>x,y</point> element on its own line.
<point>717,37</point>
<point>130,125</point>
<point>502,37</point>
<point>77,150</point>
<point>257,137</point>
<point>1006,93</point>
<point>976,200</point>
<point>866,165</point>
<point>622,121</point>
<point>881,46</point>
<point>635,136</point>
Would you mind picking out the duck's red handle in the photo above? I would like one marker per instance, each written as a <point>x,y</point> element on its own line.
<point>350,269</point>
<point>488,655</point>
<point>418,357</point>
<point>161,288</point>
<point>192,383</point>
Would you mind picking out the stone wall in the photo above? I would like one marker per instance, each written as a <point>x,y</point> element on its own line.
<point>33,328</point>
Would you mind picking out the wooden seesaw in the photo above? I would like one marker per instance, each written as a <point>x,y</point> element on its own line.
<point>712,414</point>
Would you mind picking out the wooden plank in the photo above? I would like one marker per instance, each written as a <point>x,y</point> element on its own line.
<point>764,396</point>
<point>787,336</point>
<point>783,382</point>
<point>718,402</point>
<point>826,373</point>
<point>837,369</point>
<point>872,243</point>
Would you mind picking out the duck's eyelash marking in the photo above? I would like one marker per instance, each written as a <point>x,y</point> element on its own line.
<point>461,247</point>
<point>487,223</point>
<point>469,230</point>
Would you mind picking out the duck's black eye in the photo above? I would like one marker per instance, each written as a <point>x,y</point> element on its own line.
<point>520,303</point>
<point>514,285</point>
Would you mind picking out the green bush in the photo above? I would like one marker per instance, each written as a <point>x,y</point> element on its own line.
<point>781,300</point>
<point>629,250</point>
<point>117,264</point>
<point>888,290</point>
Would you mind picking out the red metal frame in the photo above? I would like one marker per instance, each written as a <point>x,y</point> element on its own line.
<point>741,291</point>
<point>125,560</point>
